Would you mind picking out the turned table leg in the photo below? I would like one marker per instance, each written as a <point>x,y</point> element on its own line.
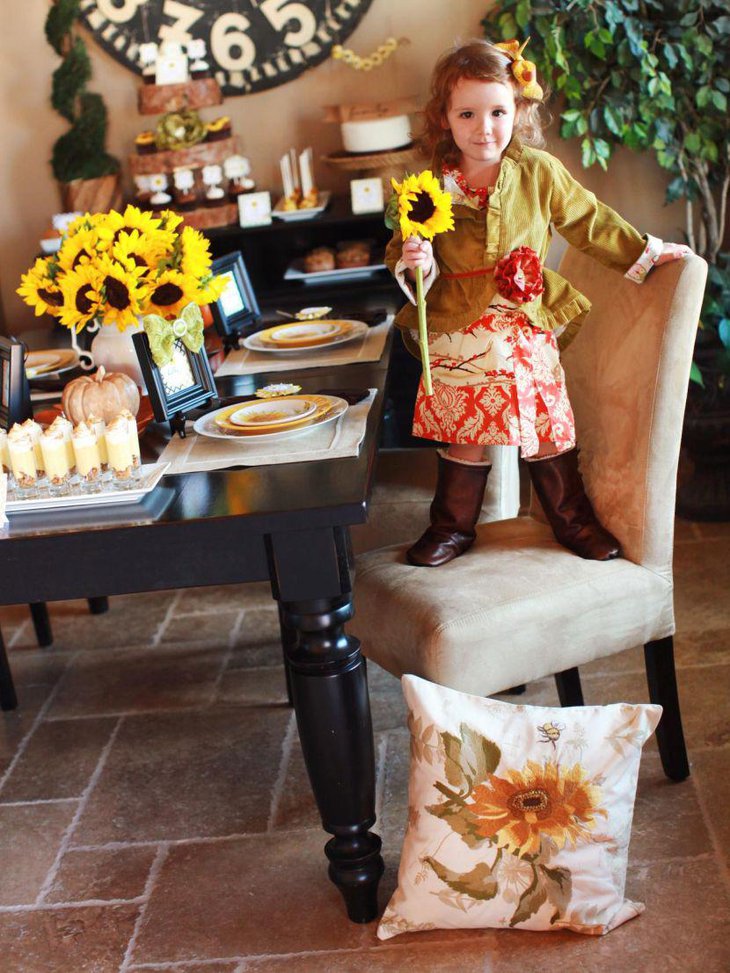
<point>8,699</point>
<point>330,695</point>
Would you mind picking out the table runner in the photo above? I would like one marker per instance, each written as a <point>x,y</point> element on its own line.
<point>333,440</point>
<point>368,348</point>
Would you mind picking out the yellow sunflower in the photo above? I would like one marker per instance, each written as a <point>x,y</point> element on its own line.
<point>517,810</point>
<point>121,292</point>
<point>77,249</point>
<point>168,293</point>
<point>131,219</point>
<point>81,289</point>
<point>39,289</point>
<point>424,209</point>
<point>141,251</point>
<point>210,288</point>
<point>195,253</point>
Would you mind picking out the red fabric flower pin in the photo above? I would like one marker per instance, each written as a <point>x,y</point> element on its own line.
<point>518,276</point>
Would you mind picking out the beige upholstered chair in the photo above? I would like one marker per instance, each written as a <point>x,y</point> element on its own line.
<point>518,607</point>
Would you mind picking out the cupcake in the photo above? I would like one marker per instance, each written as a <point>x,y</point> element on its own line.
<point>218,129</point>
<point>145,143</point>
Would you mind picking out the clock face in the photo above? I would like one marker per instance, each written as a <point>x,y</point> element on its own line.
<point>251,44</point>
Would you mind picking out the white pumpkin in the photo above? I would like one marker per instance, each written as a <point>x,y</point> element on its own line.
<point>104,394</point>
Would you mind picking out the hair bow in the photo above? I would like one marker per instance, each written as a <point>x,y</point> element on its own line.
<point>163,334</point>
<point>523,71</point>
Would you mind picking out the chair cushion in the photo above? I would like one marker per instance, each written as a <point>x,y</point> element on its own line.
<point>514,608</point>
<point>519,816</point>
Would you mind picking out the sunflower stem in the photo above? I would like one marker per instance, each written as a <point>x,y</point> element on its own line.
<point>423,333</point>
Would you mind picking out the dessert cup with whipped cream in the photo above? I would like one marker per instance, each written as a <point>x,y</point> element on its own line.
<point>22,460</point>
<point>62,424</point>
<point>133,441</point>
<point>55,460</point>
<point>88,458</point>
<point>99,427</point>
<point>119,453</point>
<point>34,431</point>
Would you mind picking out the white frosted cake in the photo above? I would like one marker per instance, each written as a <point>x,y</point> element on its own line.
<point>376,134</point>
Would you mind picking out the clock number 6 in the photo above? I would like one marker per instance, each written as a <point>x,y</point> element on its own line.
<point>227,34</point>
<point>280,12</point>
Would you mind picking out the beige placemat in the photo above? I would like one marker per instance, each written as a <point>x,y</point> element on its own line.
<point>201,454</point>
<point>368,348</point>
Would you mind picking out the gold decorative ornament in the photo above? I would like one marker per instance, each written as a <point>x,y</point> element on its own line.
<point>375,60</point>
<point>179,130</point>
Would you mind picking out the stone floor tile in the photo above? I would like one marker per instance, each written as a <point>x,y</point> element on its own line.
<point>668,820</point>
<point>16,724</point>
<point>184,775</point>
<point>30,836</point>
<point>296,808</point>
<point>84,940</point>
<point>259,626</point>
<point>102,874</point>
<point>234,967</point>
<point>711,777</point>
<point>707,646</point>
<point>137,680</point>
<point>264,894</point>
<point>131,620</point>
<point>253,686</point>
<point>699,570</point>
<point>32,666</point>
<point>226,597</point>
<point>459,957</point>
<point>13,616</point>
<point>58,761</point>
<point>266,655</point>
<point>214,628</point>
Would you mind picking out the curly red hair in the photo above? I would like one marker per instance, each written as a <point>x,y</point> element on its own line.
<point>477,60</point>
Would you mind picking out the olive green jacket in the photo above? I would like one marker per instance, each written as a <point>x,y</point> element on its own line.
<point>533,191</point>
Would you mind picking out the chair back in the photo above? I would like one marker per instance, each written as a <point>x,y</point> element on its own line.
<point>627,374</point>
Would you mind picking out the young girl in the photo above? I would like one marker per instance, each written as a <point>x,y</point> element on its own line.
<point>496,317</point>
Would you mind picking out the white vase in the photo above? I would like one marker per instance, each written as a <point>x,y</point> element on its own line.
<point>114,349</point>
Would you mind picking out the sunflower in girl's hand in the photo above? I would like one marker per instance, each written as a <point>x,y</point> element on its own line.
<point>423,208</point>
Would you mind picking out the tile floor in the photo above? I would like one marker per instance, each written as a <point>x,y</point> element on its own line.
<point>155,813</point>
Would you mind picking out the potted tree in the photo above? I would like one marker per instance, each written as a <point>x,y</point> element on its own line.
<point>88,175</point>
<point>652,75</point>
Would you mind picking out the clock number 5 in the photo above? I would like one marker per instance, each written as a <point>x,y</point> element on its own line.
<point>280,12</point>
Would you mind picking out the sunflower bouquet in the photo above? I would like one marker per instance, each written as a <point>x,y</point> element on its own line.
<point>420,207</point>
<point>115,267</point>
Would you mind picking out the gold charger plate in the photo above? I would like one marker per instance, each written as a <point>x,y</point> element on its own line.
<point>49,361</point>
<point>303,334</point>
<point>217,424</point>
<point>322,404</point>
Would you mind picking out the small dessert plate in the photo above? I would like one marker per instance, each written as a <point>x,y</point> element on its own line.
<point>272,413</point>
<point>37,362</point>
<point>311,313</point>
<point>293,215</point>
<point>307,333</point>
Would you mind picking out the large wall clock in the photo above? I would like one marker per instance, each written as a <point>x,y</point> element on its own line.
<point>252,44</point>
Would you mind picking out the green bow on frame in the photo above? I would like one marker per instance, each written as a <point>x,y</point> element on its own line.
<point>162,334</point>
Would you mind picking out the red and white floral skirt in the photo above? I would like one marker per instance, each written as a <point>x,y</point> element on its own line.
<point>498,382</point>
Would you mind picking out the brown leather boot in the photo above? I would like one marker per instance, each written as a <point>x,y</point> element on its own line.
<point>559,486</point>
<point>454,513</point>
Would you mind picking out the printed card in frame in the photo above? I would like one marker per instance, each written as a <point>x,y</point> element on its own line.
<point>236,313</point>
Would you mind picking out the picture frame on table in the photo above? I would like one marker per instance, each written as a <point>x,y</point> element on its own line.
<point>236,313</point>
<point>14,389</point>
<point>186,383</point>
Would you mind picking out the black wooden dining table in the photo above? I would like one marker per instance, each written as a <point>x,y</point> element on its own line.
<point>288,524</point>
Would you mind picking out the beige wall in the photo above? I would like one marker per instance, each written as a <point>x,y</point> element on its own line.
<point>267,123</point>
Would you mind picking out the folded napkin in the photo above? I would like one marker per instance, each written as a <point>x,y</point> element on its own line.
<point>368,348</point>
<point>332,440</point>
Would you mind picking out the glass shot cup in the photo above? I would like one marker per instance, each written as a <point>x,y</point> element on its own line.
<point>55,462</point>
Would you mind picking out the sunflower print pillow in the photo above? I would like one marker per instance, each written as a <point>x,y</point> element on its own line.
<point>519,816</point>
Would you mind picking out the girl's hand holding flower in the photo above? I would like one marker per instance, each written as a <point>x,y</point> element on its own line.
<point>417,253</point>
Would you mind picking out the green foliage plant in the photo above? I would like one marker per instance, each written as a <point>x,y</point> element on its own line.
<point>79,153</point>
<point>651,75</point>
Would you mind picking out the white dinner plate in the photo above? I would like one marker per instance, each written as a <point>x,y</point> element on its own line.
<point>50,362</point>
<point>358,329</point>
<point>291,334</point>
<point>206,425</point>
<point>296,271</point>
<point>301,214</point>
<point>272,412</point>
<point>150,476</point>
